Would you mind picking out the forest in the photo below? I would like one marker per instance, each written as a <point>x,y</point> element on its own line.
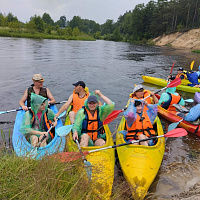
<point>140,24</point>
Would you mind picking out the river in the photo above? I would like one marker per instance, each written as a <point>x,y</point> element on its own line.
<point>111,67</point>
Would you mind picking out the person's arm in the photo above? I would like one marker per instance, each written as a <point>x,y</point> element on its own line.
<point>130,114</point>
<point>155,99</point>
<point>23,99</point>
<point>65,106</point>
<point>50,97</point>
<point>106,99</point>
<point>80,116</point>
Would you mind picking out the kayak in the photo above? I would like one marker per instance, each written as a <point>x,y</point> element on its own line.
<point>197,97</point>
<point>140,164</point>
<point>22,147</point>
<point>102,163</point>
<point>163,83</point>
<point>183,124</point>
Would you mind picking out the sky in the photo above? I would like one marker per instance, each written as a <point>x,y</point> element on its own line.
<point>97,10</point>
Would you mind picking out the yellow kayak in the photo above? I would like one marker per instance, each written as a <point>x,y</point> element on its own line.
<point>102,164</point>
<point>163,83</point>
<point>140,164</point>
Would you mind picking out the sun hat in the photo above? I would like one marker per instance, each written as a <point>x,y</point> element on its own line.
<point>92,98</point>
<point>81,83</point>
<point>138,87</point>
<point>37,77</point>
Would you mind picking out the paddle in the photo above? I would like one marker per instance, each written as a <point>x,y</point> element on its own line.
<point>172,68</point>
<point>64,130</point>
<point>9,111</point>
<point>179,132</point>
<point>174,83</point>
<point>174,125</point>
<point>88,165</point>
<point>33,152</point>
<point>191,65</point>
<point>189,100</point>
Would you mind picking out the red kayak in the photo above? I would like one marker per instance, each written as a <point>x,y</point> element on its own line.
<point>195,129</point>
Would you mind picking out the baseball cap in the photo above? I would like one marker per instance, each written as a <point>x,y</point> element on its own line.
<point>92,98</point>
<point>81,83</point>
<point>138,87</point>
<point>37,77</point>
<point>180,69</point>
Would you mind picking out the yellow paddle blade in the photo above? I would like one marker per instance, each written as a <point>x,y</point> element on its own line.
<point>191,65</point>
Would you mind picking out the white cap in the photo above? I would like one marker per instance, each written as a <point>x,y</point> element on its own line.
<point>138,87</point>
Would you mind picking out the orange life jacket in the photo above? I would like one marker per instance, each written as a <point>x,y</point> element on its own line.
<point>179,75</point>
<point>91,124</point>
<point>78,102</point>
<point>47,123</point>
<point>140,126</point>
<point>173,99</point>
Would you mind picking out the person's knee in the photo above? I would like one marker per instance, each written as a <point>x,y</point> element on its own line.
<point>85,137</point>
<point>72,116</point>
<point>100,142</point>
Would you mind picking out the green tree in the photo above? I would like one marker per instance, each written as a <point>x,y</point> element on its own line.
<point>76,32</point>
<point>39,24</point>
<point>47,19</point>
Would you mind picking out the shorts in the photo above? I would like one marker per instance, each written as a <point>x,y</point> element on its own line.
<point>102,136</point>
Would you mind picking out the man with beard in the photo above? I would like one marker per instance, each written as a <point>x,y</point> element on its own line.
<point>77,99</point>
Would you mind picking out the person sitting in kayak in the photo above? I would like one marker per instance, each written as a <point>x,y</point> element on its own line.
<point>38,120</point>
<point>88,125</point>
<point>140,93</point>
<point>193,78</point>
<point>139,123</point>
<point>170,97</point>
<point>77,99</point>
<point>37,88</point>
<point>181,74</point>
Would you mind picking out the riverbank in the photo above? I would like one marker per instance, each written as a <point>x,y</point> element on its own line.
<point>189,39</point>
<point>22,33</point>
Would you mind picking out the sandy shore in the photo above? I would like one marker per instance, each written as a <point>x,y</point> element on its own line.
<point>189,39</point>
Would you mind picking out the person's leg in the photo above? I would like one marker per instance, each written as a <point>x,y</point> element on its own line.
<point>84,140</point>
<point>72,116</point>
<point>34,140</point>
<point>141,137</point>
<point>99,142</point>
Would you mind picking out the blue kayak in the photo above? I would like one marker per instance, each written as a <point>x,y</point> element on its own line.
<point>22,147</point>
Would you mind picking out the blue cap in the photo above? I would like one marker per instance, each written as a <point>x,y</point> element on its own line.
<point>92,98</point>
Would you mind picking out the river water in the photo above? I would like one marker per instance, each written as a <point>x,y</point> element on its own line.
<point>111,67</point>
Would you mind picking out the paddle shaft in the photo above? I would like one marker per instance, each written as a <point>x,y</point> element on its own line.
<point>80,150</point>
<point>9,111</point>
<point>124,144</point>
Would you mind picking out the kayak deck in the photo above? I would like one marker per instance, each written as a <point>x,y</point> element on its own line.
<point>163,83</point>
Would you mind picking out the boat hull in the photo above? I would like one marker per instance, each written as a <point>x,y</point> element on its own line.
<point>140,164</point>
<point>163,83</point>
<point>22,147</point>
<point>102,164</point>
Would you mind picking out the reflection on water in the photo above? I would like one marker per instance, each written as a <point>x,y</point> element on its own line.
<point>112,67</point>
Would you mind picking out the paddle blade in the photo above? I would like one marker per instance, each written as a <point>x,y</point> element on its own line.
<point>64,130</point>
<point>112,116</point>
<point>189,100</point>
<point>88,169</point>
<point>172,67</point>
<point>3,112</point>
<point>68,156</point>
<point>178,132</point>
<point>175,83</point>
<point>62,114</point>
<point>191,65</point>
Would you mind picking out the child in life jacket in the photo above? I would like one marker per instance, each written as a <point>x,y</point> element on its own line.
<point>139,122</point>
<point>38,120</point>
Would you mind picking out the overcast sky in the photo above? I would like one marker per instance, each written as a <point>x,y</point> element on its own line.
<point>97,10</point>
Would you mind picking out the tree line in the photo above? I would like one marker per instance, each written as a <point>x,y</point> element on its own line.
<point>140,24</point>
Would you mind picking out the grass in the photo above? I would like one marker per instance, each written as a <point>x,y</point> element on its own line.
<point>196,51</point>
<point>22,33</point>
